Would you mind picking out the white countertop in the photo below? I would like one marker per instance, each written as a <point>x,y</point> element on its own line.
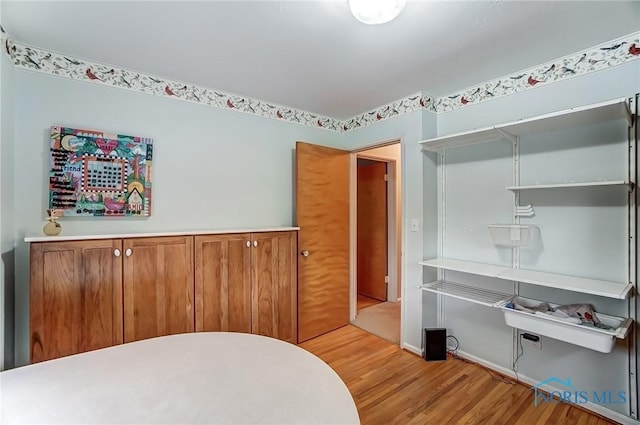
<point>196,378</point>
<point>155,234</point>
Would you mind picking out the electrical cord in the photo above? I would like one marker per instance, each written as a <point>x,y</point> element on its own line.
<point>453,351</point>
<point>520,353</point>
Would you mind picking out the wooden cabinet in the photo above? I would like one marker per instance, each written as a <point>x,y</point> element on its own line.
<point>274,286</point>
<point>79,289</point>
<point>92,294</point>
<point>158,287</point>
<point>76,297</point>
<point>247,283</point>
<point>223,283</point>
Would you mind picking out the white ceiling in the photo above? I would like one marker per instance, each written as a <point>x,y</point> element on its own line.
<point>313,55</point>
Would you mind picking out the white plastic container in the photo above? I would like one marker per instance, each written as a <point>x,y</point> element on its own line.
<point>593,338</point>
<point>512,234</point>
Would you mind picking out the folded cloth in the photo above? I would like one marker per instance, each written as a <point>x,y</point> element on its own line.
<point>584,312</point>
<point>564,318</point>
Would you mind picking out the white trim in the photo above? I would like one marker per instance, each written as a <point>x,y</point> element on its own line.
<point>593,407</point>
<point>412,348</point>
<point>402,283</point>
<point>155,234</point>
<point>392,221</point>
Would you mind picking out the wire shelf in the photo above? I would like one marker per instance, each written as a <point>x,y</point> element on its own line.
<point>472,294</point>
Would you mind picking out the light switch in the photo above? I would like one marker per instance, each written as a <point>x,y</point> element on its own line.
<point>415,225</point>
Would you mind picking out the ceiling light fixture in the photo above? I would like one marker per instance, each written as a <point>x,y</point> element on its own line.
<point>376,11</point>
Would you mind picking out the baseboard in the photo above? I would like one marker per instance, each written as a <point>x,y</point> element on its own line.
<point>593,407</point>
<point>412,348</point>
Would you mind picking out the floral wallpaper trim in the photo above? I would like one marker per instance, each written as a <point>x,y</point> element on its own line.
<point>51,63</point>
<point>606,55</point>
<point>403,106</point>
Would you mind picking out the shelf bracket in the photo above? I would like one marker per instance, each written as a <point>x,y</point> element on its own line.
<point>507,135</point>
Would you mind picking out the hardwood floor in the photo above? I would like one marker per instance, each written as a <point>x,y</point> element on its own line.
<point>392,386</point>
<point>364,302</point>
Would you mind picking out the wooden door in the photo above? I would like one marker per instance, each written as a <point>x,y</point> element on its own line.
<point>322,212</point>
<point>76,297</point>
<point>158,287</point>
<point>223,283</point>
<point>372,230</point>
<point>274,289</point>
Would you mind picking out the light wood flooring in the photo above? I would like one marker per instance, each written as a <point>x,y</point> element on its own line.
<point>364,302</point>
<point>392,386</point>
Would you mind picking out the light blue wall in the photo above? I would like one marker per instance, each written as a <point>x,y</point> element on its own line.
<point>582,231</point>
<point>6,211</point>
<point>408,128</point>
<point>220,168</point>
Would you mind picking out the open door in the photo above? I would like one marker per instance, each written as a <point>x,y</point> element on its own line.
<point>322,213</point>
<point>372,229</point>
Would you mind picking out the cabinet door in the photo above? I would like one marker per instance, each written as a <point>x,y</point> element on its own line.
<point>76,297</point>
<point>223,283</point>
<point>158,287</point>
<point>274,285</point>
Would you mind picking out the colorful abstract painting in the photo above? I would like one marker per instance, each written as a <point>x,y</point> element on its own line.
<point>100,174</point>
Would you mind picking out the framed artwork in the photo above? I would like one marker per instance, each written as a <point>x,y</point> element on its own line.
<point>100,174</point>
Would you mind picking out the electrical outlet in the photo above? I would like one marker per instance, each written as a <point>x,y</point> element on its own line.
<point>532,340</point>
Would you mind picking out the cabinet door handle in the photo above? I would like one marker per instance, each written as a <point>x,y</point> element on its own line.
<point>304,253</point>
<point>128,252</point>
<point>116,252</point>
<point>255,243</point>
<point>248,244</point>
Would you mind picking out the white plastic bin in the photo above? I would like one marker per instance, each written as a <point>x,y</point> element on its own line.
<point>593,338</point>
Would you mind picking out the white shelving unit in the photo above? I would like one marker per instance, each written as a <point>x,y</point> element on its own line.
<point>590,114</point>
<point>601,288</point>
<point>590,337</point>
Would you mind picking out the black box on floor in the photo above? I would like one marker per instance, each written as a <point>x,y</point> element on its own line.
<point>435,344</point>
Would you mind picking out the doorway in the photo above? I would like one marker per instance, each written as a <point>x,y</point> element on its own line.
<point>376,240</point>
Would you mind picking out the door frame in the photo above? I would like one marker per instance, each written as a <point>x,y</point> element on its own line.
<point>394,225</point>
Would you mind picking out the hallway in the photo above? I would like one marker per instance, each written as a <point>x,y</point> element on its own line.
<point>379,318</point>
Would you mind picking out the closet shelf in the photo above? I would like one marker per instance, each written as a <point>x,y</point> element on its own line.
<point>465,266</point>
<point>600,112</point>
<point>601,288</point>
<point>629,185</point>
<point>552,280</point>
<point>475,295</point>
